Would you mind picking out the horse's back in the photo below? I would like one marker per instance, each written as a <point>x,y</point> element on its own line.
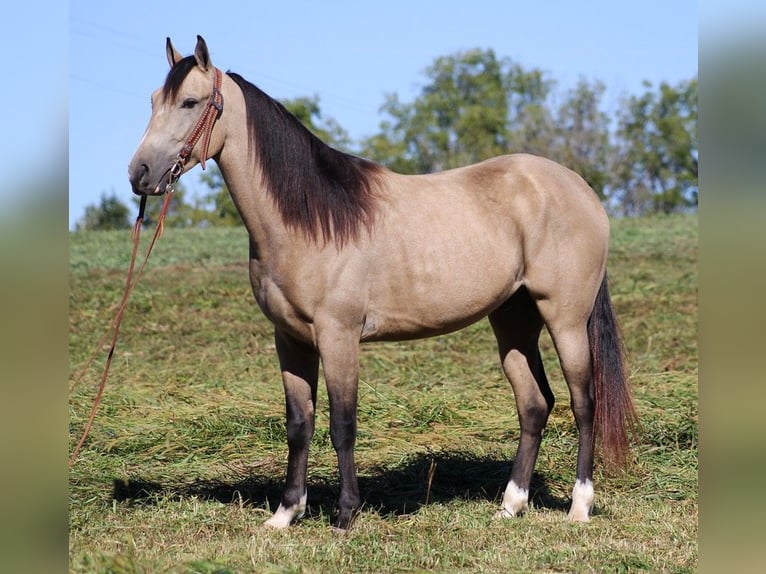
<point>513,201</point>
<point>528,185</point>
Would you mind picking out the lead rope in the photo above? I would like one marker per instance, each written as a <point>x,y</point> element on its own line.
<point>204,126</point>
<point>114,329</point>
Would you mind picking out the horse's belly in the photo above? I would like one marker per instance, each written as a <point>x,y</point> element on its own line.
<point>425,308</point>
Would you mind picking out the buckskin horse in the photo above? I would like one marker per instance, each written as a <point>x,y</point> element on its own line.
<point>343,251</point>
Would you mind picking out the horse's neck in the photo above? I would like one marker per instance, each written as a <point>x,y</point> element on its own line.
<point>255,206</point>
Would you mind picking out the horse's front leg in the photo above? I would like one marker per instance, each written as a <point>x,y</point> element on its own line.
<point>300,372</point>
<point>340,364</point>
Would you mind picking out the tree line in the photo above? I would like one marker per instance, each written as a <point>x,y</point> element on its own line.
<point>641,158</point>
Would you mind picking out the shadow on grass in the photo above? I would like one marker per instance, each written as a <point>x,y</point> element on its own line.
<point>388,491</point>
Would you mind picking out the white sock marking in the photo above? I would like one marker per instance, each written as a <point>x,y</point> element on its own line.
<point>515,501</point>
<point>582,501</point>
<point>283,517</point>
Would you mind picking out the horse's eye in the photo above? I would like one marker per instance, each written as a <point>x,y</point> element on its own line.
<point>189,103</point>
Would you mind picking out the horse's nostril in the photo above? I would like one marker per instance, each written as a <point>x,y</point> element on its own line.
<point>140,176</point>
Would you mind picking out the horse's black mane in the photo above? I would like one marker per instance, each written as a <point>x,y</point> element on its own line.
<point>316,188</point>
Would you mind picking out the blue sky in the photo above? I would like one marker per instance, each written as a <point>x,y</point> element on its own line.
<point>348,53</point>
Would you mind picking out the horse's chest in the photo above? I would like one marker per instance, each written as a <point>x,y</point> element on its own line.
<point>282,308</point>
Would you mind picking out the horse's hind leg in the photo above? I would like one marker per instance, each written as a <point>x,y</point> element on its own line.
<point>570,337</point>
<point>517,326</point>
<point>300,372</point>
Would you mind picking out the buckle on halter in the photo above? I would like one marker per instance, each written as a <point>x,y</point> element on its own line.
<point>214,100</point>
<point>177,168</point>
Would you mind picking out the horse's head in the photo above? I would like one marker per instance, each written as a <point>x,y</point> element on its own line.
<point>184,111</point>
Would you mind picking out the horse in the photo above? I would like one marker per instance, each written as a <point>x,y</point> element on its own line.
<point>344,251</point>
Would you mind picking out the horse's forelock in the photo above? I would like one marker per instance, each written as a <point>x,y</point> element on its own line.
<point>176,77</point>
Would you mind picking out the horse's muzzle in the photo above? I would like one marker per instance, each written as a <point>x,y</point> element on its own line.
<point>146,181</point>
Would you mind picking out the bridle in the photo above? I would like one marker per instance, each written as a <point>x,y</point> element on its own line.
<point>204,127</point>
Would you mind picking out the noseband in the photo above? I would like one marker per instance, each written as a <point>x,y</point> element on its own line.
<point>204,126</point>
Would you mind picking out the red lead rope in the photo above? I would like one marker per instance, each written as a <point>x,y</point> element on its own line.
<point>204,126</point>
<point>114,330</point>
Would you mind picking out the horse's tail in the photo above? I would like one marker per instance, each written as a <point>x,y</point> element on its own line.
<point>615,416</point>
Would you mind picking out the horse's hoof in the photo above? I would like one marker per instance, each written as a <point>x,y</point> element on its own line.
<point>276,523</point>
<point>503,514</point>
<point>345,519</point>
<point>579,513</point>
<point>582,502</point>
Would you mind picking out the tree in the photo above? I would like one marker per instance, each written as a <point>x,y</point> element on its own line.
<point>656,161</point>
<point>392,147</point>
<point>308,111</point>
<point>459,118</point>
<point>582,141</point>
<point>109,213</point>
<point>474,106</point>
<point>221,210</point>
<point>530,125</point>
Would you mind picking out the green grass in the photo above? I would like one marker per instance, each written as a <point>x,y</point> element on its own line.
<point>187,454</point>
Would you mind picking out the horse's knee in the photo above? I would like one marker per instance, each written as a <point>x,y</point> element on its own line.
<point>299,435</point>
<point>343,432</point>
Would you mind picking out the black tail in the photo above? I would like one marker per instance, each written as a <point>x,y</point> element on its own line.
<point>615,416</point>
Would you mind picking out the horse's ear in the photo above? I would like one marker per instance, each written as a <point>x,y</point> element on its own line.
<point>201,54</point>
<point>173,55</point>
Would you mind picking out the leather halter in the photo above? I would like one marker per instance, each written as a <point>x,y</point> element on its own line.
<point>204,127</point>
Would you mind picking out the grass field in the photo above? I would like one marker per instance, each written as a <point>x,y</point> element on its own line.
<point>188,451</point>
